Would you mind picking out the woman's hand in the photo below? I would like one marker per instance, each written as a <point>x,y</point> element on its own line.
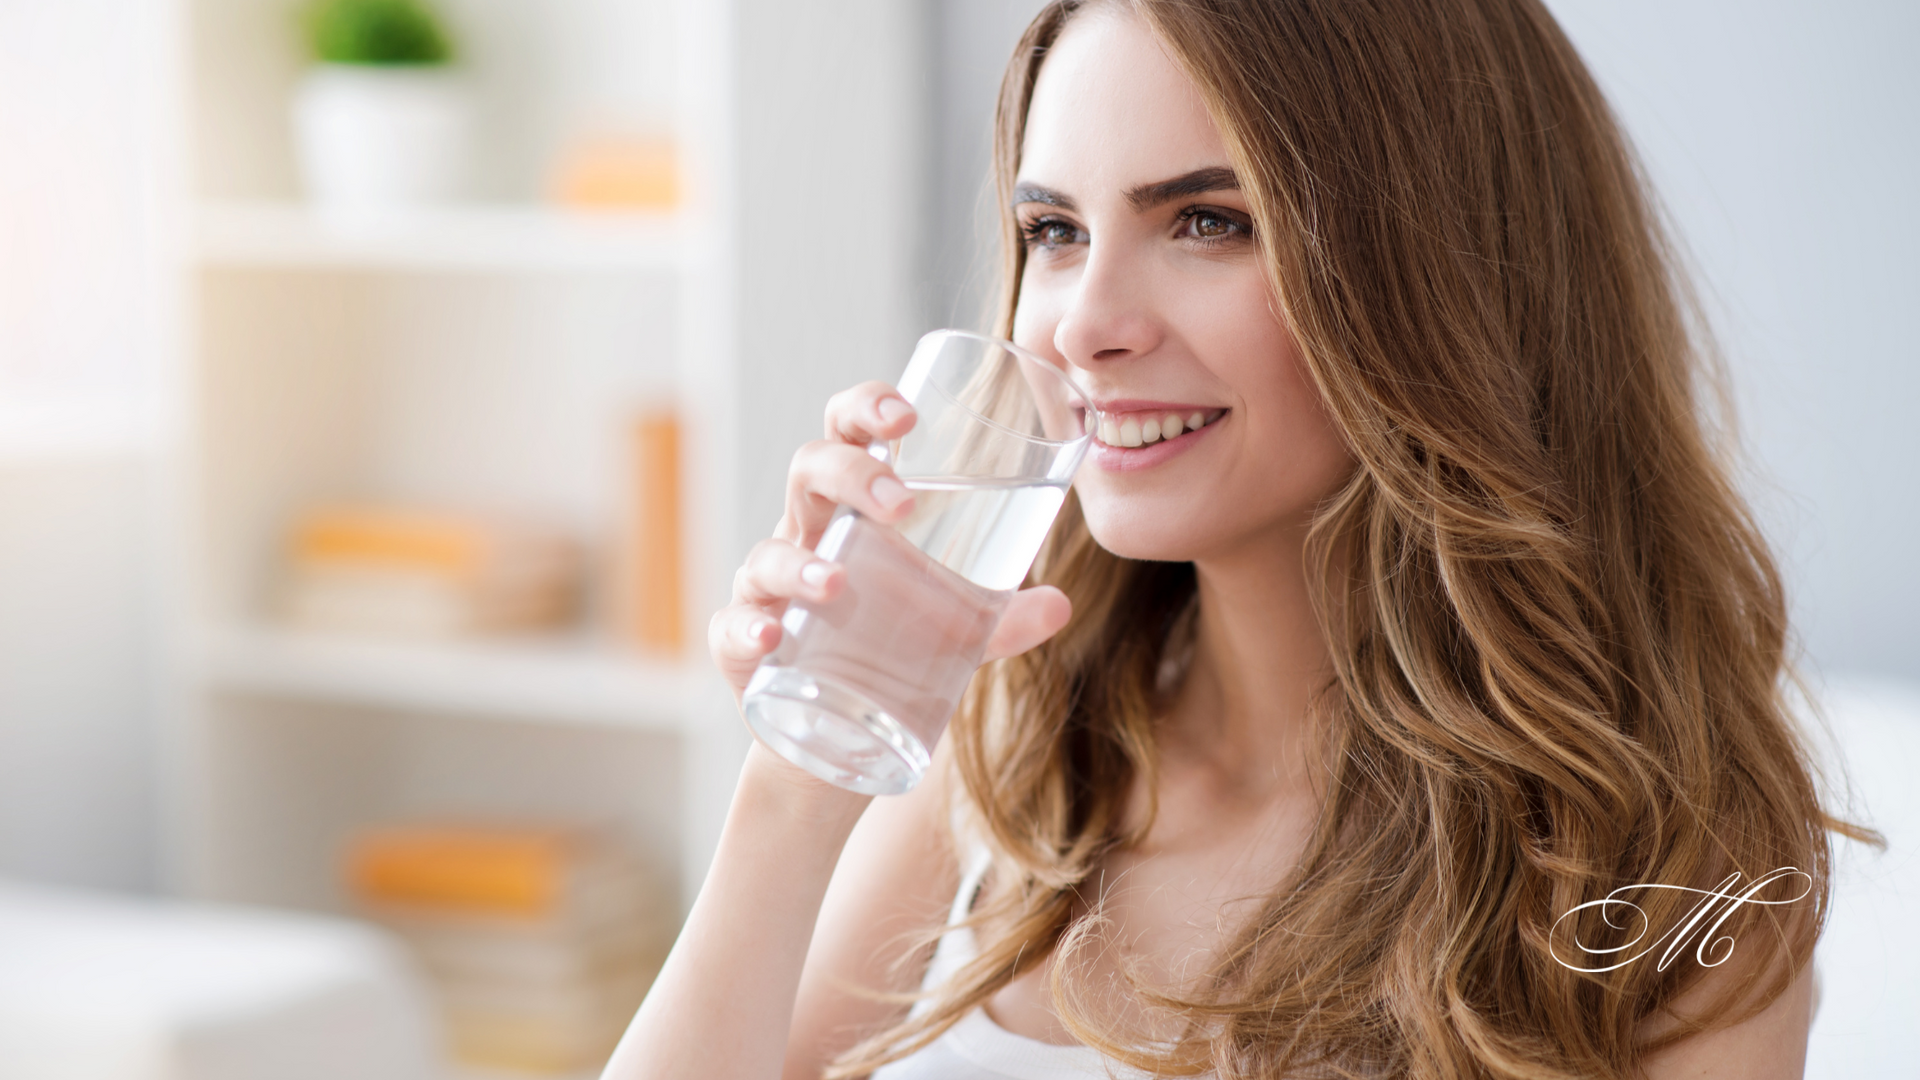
<point>827,473</point>
<point>724,1003</point>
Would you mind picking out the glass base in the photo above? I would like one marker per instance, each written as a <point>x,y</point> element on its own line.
<point>832,732</point>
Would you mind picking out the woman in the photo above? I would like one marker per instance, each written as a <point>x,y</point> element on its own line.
<point>1317,719</point>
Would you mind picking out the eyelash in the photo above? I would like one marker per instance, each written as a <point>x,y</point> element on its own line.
<point>1035,231</point>
<point>1241,230</point>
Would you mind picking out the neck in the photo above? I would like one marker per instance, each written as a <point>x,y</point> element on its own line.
<point>1259,658</point>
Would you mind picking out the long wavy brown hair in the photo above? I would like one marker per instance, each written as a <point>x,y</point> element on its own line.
<point>1559,640</point>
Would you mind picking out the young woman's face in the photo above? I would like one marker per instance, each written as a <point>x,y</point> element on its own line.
<point>1143,273</point>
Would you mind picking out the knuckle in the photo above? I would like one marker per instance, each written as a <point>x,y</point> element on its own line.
<point>765,555</point>
<point>826,464</point>
<point>803,457</point>
<point>814,458</point>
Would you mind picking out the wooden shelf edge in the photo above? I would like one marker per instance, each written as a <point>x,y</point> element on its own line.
<point>562,681</point>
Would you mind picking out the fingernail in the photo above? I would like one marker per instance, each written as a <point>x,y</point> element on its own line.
<point>889,492</point>
<point>892,409</point>
<point>757,629</point>
<point>816,573</point>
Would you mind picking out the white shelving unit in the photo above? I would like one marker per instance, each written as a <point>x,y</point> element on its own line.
<point>488,355</point>
<point>541,681</point>
<point>493,355</point>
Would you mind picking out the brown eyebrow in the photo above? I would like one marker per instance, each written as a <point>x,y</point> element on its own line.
<point>1146,196</point>
<point>1199,181</point>
<point>1034,193</point>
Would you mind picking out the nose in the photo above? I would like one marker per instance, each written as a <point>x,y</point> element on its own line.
<point>1110,315</point>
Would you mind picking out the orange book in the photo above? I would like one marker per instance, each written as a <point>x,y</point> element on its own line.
<point>432,543</point>
<point>541,941</point>
<point>658,618</point>
<point>613,173</point>
<point>381,569</point>
<point>516,872</point>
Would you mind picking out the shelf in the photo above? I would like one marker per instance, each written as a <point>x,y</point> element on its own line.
<point>565,681</point>
<point>476,237</point>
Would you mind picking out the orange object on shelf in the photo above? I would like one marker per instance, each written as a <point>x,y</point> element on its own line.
<point>540,941</point>
<point>614,173</point>
<point>432,543</point>
<point>398,570</point>
<point>658,611</point>
<point>515,872</point>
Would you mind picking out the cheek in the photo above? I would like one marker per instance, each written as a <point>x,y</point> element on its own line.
<point>1290,455</point>
<point>1264,473</point>
<point>1236,321</point>
<point>1035,317</point>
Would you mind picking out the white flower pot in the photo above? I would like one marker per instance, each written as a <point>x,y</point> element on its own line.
<point>374,139</point>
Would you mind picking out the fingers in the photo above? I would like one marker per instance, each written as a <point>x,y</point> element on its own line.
<point>825,474</point>
<point>741,635</point>
<point>1032,616</point>
<point>738,638</point>
<point>872,410</point>
<point>831,472</point>
<point>776,571</point>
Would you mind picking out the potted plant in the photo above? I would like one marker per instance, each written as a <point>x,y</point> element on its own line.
<point>382,120</point>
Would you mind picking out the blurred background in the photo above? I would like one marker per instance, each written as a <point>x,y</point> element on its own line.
<point>387,392</point>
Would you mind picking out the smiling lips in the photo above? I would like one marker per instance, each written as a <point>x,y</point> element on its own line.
<point>1143,427</point>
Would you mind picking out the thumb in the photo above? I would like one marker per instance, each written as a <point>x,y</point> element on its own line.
<point>1032,616</point>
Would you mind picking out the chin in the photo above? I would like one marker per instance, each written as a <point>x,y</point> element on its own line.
<point>1139,534</point>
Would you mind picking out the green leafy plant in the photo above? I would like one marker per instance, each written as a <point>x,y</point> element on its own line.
<point>380,32</point>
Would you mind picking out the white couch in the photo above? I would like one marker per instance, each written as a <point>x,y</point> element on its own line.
<point>1868,1024</point>
<point>99,987</point>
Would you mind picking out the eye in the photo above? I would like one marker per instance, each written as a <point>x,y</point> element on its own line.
<point>1211,227</point>
<point>1052,232</point>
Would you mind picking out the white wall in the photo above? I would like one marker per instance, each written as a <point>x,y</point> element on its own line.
<point>831,99</point>
<point>972,41</point>
<point>82,342</point>
<point>1785,138</point>
<point>77,672</point>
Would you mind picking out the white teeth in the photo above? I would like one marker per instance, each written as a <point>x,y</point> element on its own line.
<point>1133,431</point>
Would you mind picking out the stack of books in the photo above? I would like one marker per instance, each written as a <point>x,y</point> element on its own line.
<point>541,941</point>
<point>415,572</point>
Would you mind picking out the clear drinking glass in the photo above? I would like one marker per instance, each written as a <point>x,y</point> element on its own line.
<point>862,686</point>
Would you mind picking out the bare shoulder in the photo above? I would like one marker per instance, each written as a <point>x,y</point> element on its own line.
<point>895,880</point>
<point>1769,1045</point>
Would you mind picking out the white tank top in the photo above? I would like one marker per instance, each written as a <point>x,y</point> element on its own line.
<point>976,1048</point>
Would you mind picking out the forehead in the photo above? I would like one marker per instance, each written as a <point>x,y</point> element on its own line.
<point>1111,110</point>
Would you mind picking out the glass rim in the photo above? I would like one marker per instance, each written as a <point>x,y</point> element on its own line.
<point>1073,388</point>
